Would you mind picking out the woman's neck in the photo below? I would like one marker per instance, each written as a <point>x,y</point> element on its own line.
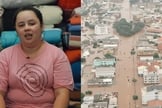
<point>32,50</point>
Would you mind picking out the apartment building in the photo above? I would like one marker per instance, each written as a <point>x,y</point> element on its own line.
<point>107,72</point>
<point>104,62</point>
<point>152,93</point>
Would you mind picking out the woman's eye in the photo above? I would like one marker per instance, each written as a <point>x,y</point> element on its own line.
<point>21,25</point>
<point>31,23</point>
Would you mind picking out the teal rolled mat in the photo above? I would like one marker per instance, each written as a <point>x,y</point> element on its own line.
<point>9,38</point>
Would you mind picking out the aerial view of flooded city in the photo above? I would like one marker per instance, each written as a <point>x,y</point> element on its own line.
<point>121,54</point>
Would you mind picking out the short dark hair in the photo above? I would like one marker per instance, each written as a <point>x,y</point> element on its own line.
<point>30,8</point>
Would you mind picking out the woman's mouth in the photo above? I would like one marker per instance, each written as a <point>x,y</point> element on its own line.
<point>28,36</point>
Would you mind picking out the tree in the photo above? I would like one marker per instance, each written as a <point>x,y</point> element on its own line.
<point>95,45</point>
<point>133,51</point>
<point>135,97</point>
<point>125,28</point>
<point>97,58</point>
<point>133,1</point>
<point>83,60</point>
<point>134,80</point>
<point>156,55</point>
<point>100,41</point>
<point>82,96</point>
<point>156,36</point>
<point>108,55</point>
<point>88,92</point>
<point>86,23</point>
<point>85,12</point>
<point>96,5</point>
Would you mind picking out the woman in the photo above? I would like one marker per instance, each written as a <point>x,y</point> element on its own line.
<point>33,74</point>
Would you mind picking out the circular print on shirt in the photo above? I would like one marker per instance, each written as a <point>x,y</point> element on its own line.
<point>34,79</point>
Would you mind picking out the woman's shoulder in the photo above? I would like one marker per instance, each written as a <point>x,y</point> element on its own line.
<point>54,50</point>
<point>52,47</point>
<point>10,48</point>
<point>8,52</point>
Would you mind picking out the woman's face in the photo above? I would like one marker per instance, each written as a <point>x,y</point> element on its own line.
<point>28,27</point>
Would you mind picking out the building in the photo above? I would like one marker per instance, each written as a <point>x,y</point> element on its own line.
<point>101,29</point>
<point>146,51</point>
<point>150,72</point>
<point>146,58</point>
<point>150,93</point>
<point>100,82</point>
<point>106,72</point>
<point>104,62</point>
<point>113,103</point>
<point>88,99</point>
<point>151,78</point>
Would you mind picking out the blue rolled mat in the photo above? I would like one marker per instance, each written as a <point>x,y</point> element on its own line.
<point>53,35</point>
<point>9,38</point>
<point>76,70</point>
<point>74,28</point>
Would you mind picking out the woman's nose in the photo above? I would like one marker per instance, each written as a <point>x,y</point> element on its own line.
<point>26,27</point>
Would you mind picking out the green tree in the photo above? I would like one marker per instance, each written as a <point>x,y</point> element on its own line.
<point>86,23</point>
<point>133,51</point>
<point>108,55</point>
<point>133,1</point>
<point>127,29</point>
<point>97,58</point>
<point>88,92</point>
<point>96,5</point>
<point>134,80</point>
<point>82,96</point>
<point>138,26</point>
<point>156,55</point>
<point>83,60</point>
<point>135,97</point>
<point>95,45</point>
<point>85,12</point>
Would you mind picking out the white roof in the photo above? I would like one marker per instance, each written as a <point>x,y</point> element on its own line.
<point>84,105</point>
<point>86,53</point>
<point>107,80</point>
